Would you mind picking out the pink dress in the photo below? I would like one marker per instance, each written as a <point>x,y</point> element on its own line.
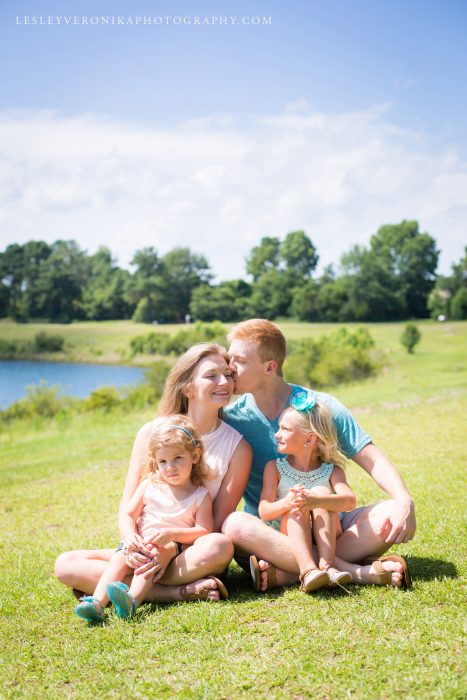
<point>161,509</point>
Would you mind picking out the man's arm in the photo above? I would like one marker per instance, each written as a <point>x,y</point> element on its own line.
<point>380,468</point>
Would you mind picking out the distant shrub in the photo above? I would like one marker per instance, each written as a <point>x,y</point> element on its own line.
<point>459,304</point>
<point>11,349</point>
<point>48,343</point>
<point>156,343</point>
<point>410,337</point>
<point>148,392</point>
<point>40,400</point>
<point>334,358</point>
<point>103,398</point>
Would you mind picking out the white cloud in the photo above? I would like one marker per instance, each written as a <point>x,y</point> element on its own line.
<point>218,188</point>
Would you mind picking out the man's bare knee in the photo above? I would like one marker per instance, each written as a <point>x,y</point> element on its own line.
<point>240,527</point>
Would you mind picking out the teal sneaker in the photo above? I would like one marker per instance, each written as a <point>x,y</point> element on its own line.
<point>89,609</point>
<point>120,596</point>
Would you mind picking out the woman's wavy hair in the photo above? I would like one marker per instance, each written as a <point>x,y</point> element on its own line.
<point>319,421</point>
<point>176,431</point>
<point>173,398</point>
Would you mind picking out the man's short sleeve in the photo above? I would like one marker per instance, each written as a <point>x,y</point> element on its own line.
<point>352,438</point>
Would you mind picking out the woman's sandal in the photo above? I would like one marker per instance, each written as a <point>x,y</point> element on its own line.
<point>339,578</point>
<point>255,572</point>
<point>89,609</point>
<point>385,576</point>
<point>313,579</point>
<point>203,593</point>
<point>119,594</point>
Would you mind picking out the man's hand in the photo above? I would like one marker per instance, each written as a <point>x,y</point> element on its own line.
<point>402,521</point>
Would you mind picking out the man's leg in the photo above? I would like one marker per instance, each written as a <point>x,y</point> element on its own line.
<point>365,537</point>
<point>250,535</point>
<point>364,534</point>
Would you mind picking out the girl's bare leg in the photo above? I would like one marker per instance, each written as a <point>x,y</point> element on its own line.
<point>299,533</point>
<point>324,528</point>
<point>116,570</point>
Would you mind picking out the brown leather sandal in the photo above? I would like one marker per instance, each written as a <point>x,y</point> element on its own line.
<point>385,576</point>
<point>313,579</point>
<point>203,593</point>
<point>256,575</point>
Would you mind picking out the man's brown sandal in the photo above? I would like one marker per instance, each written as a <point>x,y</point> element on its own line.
<point>256,575</point>
<point>385,576</point>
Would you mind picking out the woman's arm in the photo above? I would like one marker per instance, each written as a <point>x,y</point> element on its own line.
<point>233,484</point>
<point>187,535</point>
<point>342,500</point>
<point>269,508</point>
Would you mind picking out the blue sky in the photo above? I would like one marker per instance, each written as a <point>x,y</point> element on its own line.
<point>335,117</point>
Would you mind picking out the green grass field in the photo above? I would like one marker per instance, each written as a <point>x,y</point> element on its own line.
<point>60,485</point>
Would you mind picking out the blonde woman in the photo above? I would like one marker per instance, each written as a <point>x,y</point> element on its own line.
<point>199,386</point>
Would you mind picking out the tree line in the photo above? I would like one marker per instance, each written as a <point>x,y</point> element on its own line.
<point>393,278</point>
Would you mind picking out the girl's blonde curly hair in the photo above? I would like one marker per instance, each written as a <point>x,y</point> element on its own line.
<point>319,421</point>
<point>176,431</point>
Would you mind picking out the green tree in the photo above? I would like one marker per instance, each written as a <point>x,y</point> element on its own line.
<point>448,296</point>
<point>272,294</point>
<point>410,337</point>
<point>264,257</point>
<point>411,258</point>
<point>104,295</point>
<point>299,254</point>
<point>225,302</point>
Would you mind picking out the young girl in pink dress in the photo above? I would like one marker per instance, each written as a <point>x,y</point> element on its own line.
<point>171,504</point>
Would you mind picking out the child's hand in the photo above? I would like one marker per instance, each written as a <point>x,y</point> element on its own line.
<point>162,537</point>
<point>298,493</point>
<point>135,551</point>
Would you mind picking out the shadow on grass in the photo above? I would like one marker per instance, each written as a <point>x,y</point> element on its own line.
<point>428,569</point>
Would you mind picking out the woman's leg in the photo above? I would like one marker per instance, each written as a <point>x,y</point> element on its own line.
<point>187,575</point>
<point>82,568</point>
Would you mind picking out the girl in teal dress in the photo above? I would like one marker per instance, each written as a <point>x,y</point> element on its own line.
<point>304,491</point>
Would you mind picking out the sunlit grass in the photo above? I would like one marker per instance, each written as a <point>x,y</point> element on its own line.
<point>60,484</point>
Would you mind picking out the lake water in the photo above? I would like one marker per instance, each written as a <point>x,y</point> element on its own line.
<point>73,379</point>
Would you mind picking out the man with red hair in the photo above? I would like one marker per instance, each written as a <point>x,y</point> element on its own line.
<point>257,353</point>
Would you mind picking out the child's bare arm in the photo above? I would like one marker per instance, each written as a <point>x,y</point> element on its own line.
<point>129,513</point>
<point>343,498</point>
<point>269,507</point>
<point>204,524</point>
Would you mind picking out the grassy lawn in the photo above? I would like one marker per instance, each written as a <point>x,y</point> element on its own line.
<point>59,489</point>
